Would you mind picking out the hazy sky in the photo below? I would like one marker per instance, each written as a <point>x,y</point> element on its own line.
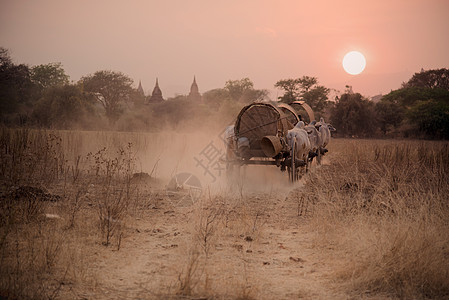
<point>221,40</point>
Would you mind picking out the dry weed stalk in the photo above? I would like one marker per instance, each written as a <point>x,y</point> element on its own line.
<point>246,289</point>
<point>115,187</point>
<point>207,227</point>
<point>188,279</point>
<point>76,204</point>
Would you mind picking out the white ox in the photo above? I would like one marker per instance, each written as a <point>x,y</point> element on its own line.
<point>325,130</point>
<point>300,136</point>
<point>315,141</point>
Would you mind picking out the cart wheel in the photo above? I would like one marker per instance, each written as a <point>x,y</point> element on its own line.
<point>293,169</point>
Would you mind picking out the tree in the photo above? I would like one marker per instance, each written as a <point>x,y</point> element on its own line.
<point>438,78</point>
<point>291,89</point>
<point>49,75</point>
<point>63,107</point>
<point>306,82</point>
<point>243,91</point>
<point>253,95</point>
<point>305,88</point>
<point>111,89</point>
<point>216,97</point>
<point>389,114</point>
<point>423,102</point>
<point>236,88</point>
<point>17,91</point>
<point>354,115</point>
<point>317,98</point>
<point>408,96</point>
<point>5,57</point>
<point>430,117</point>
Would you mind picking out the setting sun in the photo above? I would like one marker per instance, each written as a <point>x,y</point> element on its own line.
<point>354,62</point>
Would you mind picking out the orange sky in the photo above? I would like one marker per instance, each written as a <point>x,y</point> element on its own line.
<point>221,40</point>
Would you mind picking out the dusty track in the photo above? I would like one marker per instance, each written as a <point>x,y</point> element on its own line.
<point>259,248</point>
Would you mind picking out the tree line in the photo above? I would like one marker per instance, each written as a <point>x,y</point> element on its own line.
<point>419,109</point>
<point>43,96</point>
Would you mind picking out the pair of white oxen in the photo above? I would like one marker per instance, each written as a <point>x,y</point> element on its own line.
<point>311,140</point>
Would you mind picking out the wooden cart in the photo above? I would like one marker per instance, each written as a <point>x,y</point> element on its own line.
<point>259,137</point>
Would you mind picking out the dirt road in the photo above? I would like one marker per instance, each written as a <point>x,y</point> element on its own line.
<point>246,242</point>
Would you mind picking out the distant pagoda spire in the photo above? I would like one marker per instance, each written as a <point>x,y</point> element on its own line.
<point>194,94</point>
<point>140,89</point>
<point>156,96</point>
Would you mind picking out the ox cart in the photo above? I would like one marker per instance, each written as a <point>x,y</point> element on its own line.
<point>260,136</point>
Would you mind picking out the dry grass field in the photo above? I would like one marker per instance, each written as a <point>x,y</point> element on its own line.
<point>76,222</point>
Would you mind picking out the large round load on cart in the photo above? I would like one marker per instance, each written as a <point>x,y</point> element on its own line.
<point>256,122</point>
<point>303,110</point>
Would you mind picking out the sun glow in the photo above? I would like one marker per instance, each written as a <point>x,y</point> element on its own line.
<point>354,62</point>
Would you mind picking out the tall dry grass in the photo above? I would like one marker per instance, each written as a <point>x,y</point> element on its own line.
<point>83,181</point>
<point>379,210</point>
<point>56,205</point>
<point>383,209</point>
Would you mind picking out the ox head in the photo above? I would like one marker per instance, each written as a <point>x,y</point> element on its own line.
<point>323,123</point>
<point>300,124</point>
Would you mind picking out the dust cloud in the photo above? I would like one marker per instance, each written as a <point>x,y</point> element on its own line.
<point>164,154</point>
<point>195,145</point>
<point>201,154</point>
